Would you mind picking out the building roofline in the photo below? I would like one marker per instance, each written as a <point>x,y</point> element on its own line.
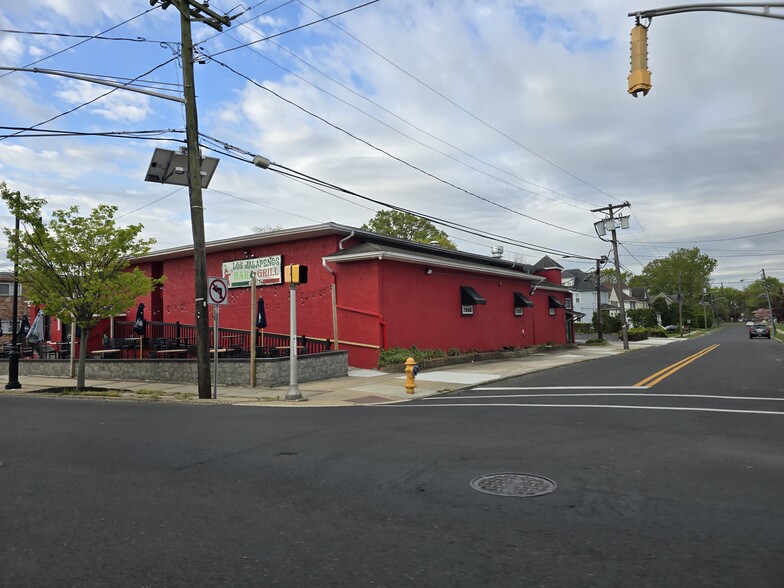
<point>327,229</point>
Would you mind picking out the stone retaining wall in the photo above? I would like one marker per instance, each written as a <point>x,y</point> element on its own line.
<point>270,372</point>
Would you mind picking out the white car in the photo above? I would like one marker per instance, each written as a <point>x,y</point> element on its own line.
<point>750,324</point>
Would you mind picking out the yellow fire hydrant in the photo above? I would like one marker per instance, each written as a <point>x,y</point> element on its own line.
<point>410,373</point>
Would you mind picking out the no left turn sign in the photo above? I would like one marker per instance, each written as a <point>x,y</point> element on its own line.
<point>218,291</point>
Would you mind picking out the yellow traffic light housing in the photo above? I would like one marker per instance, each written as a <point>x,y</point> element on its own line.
<point>640,76</point>
<point>295,274</point>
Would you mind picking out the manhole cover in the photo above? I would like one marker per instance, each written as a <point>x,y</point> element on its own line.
<point>514,485</point>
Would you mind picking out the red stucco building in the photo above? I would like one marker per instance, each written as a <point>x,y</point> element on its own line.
<point>371,291</point>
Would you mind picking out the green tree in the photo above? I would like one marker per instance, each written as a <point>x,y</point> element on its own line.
<point>76,267</point>
<point>755,297</point>
<point>607,276</point>
<point>685,270</point>
<point>407,226</point>
<point>643,317</point>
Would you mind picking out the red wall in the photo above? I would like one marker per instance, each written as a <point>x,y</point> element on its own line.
<point>379,303</point>
<point>425,310</point>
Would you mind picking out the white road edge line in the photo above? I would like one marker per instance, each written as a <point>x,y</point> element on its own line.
<point>677,408</point>
<point>600,394</point>
<point>562,388</point>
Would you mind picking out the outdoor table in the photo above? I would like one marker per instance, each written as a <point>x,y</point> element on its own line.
<point>104,352</point>
<point>287,348</point>
<point>167,352</point>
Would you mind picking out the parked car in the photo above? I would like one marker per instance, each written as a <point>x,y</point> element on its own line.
<point>759,331</point>
<point>750,324</point>
<point>671,328</point>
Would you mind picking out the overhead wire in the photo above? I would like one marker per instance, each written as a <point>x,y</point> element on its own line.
<point>322,19</point>
<point>396,116</point>
<point>294,174</point>
<point>398,159</point>
<point>89,101</point>
<point>85,40</point>
<point>472,115</point>
<point>98,37</point>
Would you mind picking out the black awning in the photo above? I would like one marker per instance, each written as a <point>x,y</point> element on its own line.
<point>520,301</point>
<point>555,303</point>
<point>470,297</point>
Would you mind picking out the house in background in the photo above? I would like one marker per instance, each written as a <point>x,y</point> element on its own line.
<point>582,286</point>
<point>369,291</point>
<point>7,305</point>
<point>631,298</point>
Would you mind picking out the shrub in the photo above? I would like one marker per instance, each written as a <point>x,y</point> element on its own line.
<point>637,334</point>
<point>596,342</point>
<point>400,355</point>
<point>657,332</point>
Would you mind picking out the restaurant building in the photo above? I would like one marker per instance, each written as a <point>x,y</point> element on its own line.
<point>367,291</point>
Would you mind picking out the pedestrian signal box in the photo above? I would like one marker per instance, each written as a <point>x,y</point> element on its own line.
<point>640,76</point>
<point>295,274</point>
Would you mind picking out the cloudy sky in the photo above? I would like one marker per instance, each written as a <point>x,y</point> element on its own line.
<point>505,117</point>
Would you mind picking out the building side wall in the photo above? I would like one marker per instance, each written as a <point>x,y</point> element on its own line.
<point>362,326</point>
<point>425,310</point>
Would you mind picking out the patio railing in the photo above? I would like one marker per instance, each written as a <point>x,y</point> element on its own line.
<point>160,335</point>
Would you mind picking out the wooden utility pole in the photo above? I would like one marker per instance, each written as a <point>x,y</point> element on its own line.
<point>610,224</point>
<point>190,9</point>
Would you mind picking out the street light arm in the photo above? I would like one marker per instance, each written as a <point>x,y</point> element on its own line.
<point>720,7</point>
<point>101,82</point>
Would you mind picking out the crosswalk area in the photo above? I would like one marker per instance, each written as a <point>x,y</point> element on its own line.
<point>604,398</point>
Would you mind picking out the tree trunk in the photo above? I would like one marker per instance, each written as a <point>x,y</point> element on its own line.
<point>82,359</point>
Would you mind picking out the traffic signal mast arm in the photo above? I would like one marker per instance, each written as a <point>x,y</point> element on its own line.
<point>640,76</point>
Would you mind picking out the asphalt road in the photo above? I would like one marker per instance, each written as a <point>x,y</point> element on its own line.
<point>675,484</point>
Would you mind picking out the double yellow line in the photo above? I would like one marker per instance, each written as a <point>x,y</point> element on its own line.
<point>671,369</point>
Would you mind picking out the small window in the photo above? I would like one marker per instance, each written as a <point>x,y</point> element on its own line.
<point>467,309</point>
<point>518,311</point>
<point>568,303</point>
<point>7,289</point>
<point>552,312</point>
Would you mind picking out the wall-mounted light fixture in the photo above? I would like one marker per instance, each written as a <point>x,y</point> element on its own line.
<point>428,271</point>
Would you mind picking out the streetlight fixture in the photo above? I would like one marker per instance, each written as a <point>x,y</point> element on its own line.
<point>171,167</point>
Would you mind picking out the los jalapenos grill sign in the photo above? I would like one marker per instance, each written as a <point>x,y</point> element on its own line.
<point>269,270</point>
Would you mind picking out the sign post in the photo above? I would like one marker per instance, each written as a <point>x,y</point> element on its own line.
<point>217,296</point>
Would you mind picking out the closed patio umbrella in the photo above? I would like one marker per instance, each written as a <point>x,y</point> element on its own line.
<point>24,328</point>
<point>36,332</point>
<point>261,315</point>
<point>261,318</point>
<point>139,323</point>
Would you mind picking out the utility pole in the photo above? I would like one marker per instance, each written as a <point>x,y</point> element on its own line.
<point>680,304</point>
<point>609,224</point>
<point>770,308</point>
<point>599,262</point>
<point>191,9</point>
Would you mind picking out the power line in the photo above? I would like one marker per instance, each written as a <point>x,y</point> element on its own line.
<point>297,175</point>
<point>85,40</point>
<point>461,108</point>
<point>146,135</point>
<point>723,239</point>
<point>88,102</point>
<point>98,37</point>
<point>391,113</point>
<point>398,159</point>
<point>322,19</point>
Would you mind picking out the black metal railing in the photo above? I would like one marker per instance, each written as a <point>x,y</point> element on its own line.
<point>236,342</point>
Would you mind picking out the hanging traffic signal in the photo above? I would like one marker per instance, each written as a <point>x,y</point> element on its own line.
<point>640,76</point>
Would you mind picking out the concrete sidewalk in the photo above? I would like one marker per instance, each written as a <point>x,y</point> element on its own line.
<point>360,387</point>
